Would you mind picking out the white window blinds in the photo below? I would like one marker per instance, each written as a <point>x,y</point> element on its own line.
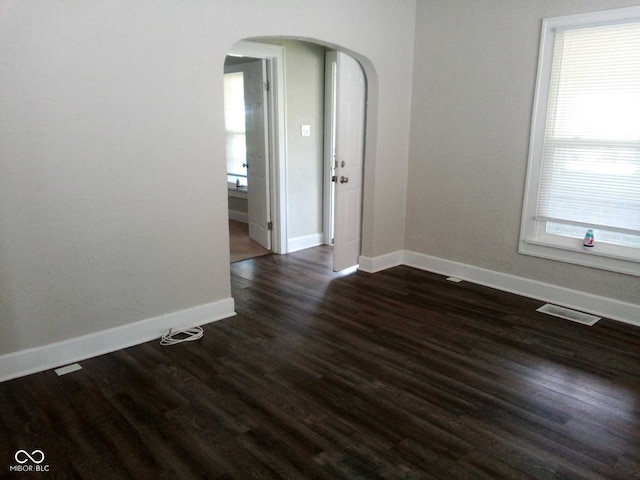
<point>591,157</point>
<point>234,120</point>
<point>234,102</point>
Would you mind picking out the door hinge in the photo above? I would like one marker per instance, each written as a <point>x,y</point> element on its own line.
<point>269,225</point>
<point>266,85</point>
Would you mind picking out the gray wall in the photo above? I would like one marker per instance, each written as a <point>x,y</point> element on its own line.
<point>112,136</point>
<point>238,204</point>
<point>112,151</point>
<point>305,105</point>
<point>474,78</point>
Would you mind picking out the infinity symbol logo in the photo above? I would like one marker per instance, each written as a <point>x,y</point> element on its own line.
<point>37,456</point>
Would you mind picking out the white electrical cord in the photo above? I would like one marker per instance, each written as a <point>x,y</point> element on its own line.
<point>182,334</point>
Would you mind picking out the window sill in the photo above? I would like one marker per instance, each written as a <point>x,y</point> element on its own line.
<point>577,255</point>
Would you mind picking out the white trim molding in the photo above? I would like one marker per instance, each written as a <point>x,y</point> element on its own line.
<point>377,264</point>
<point>26,362</point>
<point>239,216</point>
<point>306,241</point>
<point>598,305</point>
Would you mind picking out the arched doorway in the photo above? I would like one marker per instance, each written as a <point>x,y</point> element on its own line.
<point>307,192</point>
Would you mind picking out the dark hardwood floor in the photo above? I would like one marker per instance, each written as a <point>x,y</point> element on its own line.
<point>397,375</point>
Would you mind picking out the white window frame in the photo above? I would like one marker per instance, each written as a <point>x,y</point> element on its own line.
<point>533,238</point>
<point>234,70</point>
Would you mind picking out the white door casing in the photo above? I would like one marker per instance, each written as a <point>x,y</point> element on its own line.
<point>328,206</point>
<point>257,134</point>
<point>350,128</point>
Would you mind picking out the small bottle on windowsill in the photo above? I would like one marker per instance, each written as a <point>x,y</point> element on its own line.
<point>238,183</point>
<point>589,240</point>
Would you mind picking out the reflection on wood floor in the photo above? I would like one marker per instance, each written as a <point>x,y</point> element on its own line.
<point>242,247</point>
<point>321,375</point>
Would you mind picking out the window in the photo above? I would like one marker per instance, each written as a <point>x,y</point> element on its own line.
<point>235,127</point>
<point>584,159</point>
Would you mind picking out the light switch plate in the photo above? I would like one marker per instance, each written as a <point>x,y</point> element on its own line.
<point>305,130</point>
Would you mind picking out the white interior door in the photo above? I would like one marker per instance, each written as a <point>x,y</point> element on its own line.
<point>349,147</point>
<point>328,207</point>
<point>255,103</point>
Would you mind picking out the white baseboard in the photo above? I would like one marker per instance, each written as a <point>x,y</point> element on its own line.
<point>566,297</point>
<point>377,264</point>
<point>307,241</point>
<point>239,216</point>
<point>26,362</point>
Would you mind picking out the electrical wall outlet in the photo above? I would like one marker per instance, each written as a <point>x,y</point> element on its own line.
<point>305,130</point>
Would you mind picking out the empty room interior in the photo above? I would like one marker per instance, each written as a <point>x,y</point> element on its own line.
<point>443,203</point>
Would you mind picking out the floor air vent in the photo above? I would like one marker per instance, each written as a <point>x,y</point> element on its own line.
<point>568,314</point>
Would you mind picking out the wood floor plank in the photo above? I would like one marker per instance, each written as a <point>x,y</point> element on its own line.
<point>394,375</point>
